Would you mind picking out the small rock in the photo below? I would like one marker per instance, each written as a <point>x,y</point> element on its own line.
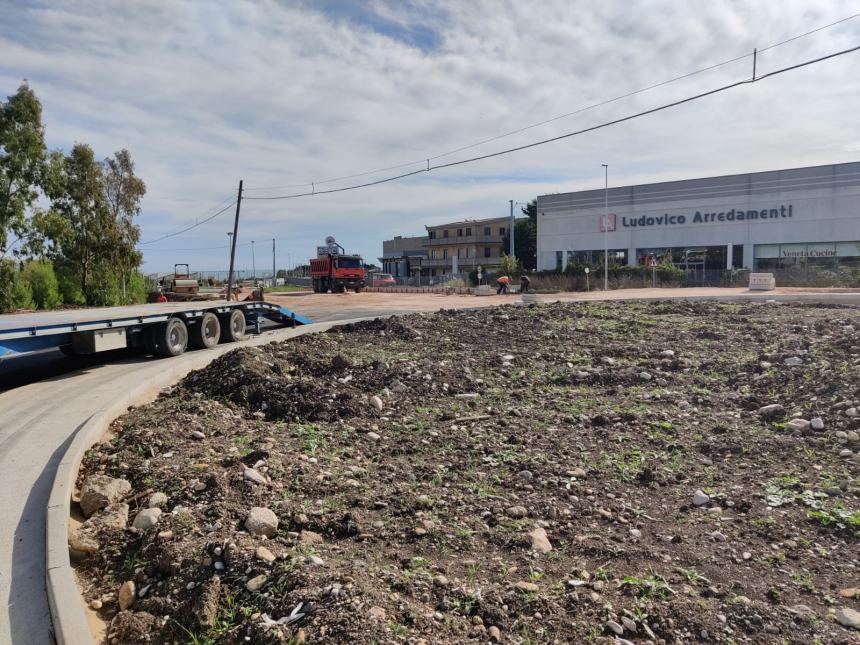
<point>440,581</point>
<point>802,611</point>
<point>700,498</point>
<point>635,533</point>
<point>376,402</point>
<point>628,623</point>
<point>772,411</point>
<point>265,555</point>
<point>126,595</point>
<point>817,423</point>
<point>579,473</point>
<point>540,542</point>
<point>614,627</point>
<point>147,518</point>
<point>309,537</point>
<point>793,361</point>
<point>526,475</point>
<point>848,617</point>
<point>850,592</point>
<point>494,633</point>
<point>157,500</point>
<point>526,586</point>
<point>261,521</point>
<point>668,353</point>
<point>645,376</point>
<point>798,425</point>
<point>256,583</point>
<point>255,476</point>
<point>373,436</point>
<point>96,604</point>
<point>377,612</point>
<point>196,434</point>
<point>100,491</point>
<point>315,560</point>
<point>517,512</point>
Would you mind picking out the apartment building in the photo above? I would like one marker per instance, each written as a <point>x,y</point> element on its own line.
<point>460,247</point>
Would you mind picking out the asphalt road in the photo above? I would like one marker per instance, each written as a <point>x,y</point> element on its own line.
<point>51,396</point>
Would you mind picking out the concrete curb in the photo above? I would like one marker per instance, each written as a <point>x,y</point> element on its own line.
<point>66,603</point>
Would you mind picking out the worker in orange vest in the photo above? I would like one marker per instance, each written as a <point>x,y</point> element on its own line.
<point>503,282</point>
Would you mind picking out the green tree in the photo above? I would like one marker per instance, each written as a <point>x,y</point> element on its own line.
<point>525,237</point>
<point>123,191</point>
<point>43,284</point>
<point>15,293</point>
<point>510,266</point>
<point>22,156</point>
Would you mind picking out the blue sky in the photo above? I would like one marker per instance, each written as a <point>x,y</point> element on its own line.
<point>281,93</point>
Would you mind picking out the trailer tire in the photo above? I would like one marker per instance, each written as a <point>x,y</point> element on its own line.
<point>358,289</point>
<point>206,332</point>
<point>147,339</point>
<point>233,326</point>
<point>171,338</point>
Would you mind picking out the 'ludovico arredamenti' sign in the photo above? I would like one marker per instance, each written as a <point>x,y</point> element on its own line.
<point>733,215</point>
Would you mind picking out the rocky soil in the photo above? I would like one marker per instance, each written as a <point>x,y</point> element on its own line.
<point>582,473</point>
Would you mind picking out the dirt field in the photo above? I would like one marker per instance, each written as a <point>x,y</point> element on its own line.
<point>562,473</point>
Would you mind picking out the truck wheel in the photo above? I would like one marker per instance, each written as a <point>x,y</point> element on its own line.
<point>340,288</point>
<point>358,289</point>
<point>233,327</point>
<point>171,338</point>
<point>206,333</point>
<point>147,339</point>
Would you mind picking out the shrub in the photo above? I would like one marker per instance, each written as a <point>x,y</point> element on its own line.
<point>69,286</point>
<point>15,292</point>
<point>43,284</point>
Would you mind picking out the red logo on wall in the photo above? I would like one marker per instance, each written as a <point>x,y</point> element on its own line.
<point>606,222</point>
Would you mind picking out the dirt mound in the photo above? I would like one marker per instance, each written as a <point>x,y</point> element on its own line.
<point>552,473</point>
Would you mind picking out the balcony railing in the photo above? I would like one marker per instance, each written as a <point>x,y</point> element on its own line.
<point>466,239</point>
<point>461,262</point>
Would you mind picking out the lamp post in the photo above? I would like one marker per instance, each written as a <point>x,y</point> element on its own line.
<point>606,228</point>
<point>253,262</point>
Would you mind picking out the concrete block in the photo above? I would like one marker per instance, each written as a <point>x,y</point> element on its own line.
<point>762,282</point>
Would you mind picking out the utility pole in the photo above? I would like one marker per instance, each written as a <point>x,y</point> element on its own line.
<point>606,228</point>
<point>274,273</point>
<point>511,231</point>
<point>253,262</point>
<point>233,244</point>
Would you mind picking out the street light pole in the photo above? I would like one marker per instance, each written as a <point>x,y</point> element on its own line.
<point>274,272</point>
<point>253,262</point>
<point>606,228</point>
<point>511,230</point>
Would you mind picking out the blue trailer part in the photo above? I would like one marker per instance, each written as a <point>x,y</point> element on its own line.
<point>98,329</point>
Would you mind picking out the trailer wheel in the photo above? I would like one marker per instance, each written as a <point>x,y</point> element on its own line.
<point>206,333</point>
<point>233,327</point>
<point>358,289</point>
<point>339,289</point>
<point>171,338</point>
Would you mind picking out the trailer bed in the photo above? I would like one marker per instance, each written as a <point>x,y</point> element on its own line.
<point>26,332</point>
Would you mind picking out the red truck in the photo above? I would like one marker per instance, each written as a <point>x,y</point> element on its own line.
<point>335,271</point>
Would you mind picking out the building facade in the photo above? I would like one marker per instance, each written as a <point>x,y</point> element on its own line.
<point>461,247</point>
<point>455,248</point>
<point>763,221</point>
<point>402,257</point>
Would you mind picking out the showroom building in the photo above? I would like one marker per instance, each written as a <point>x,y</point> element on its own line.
<point>763,221</point>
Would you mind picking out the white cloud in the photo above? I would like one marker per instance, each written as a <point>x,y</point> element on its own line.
<point>278,93</point>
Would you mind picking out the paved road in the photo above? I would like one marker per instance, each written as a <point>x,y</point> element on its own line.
<point>39,417</point>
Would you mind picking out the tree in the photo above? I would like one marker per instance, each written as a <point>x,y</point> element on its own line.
<point>123,191</point>
<point>22,156</point>
<point>43,284</point>
<point>525,237</point>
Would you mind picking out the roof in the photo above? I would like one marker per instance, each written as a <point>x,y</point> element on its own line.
<point>473,222</point>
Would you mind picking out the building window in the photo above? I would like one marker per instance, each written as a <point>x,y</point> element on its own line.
<point>445,233</point>
<point>502,231</point>
<point>558,259</point>
<point>487,251</point>
<point>432,254</point>
<point>459,232</point>
<point>444,254</point>
<point>468,232</point>
<point>468,251</point>
<point>432,235</point>
<point>459,252</point>
<point>487,230</point>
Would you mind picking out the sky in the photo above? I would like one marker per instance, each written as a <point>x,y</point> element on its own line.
<point>283,94</point>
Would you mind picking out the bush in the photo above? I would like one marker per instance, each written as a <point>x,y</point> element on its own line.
<point>69,285</point>
<point>43,284</point>
<point>15,292</point>
<point>136,289</point>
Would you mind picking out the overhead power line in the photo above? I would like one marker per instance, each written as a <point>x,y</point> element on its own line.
<point>188,228</point>
<point>534,144</point>
<point>426,160</point>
